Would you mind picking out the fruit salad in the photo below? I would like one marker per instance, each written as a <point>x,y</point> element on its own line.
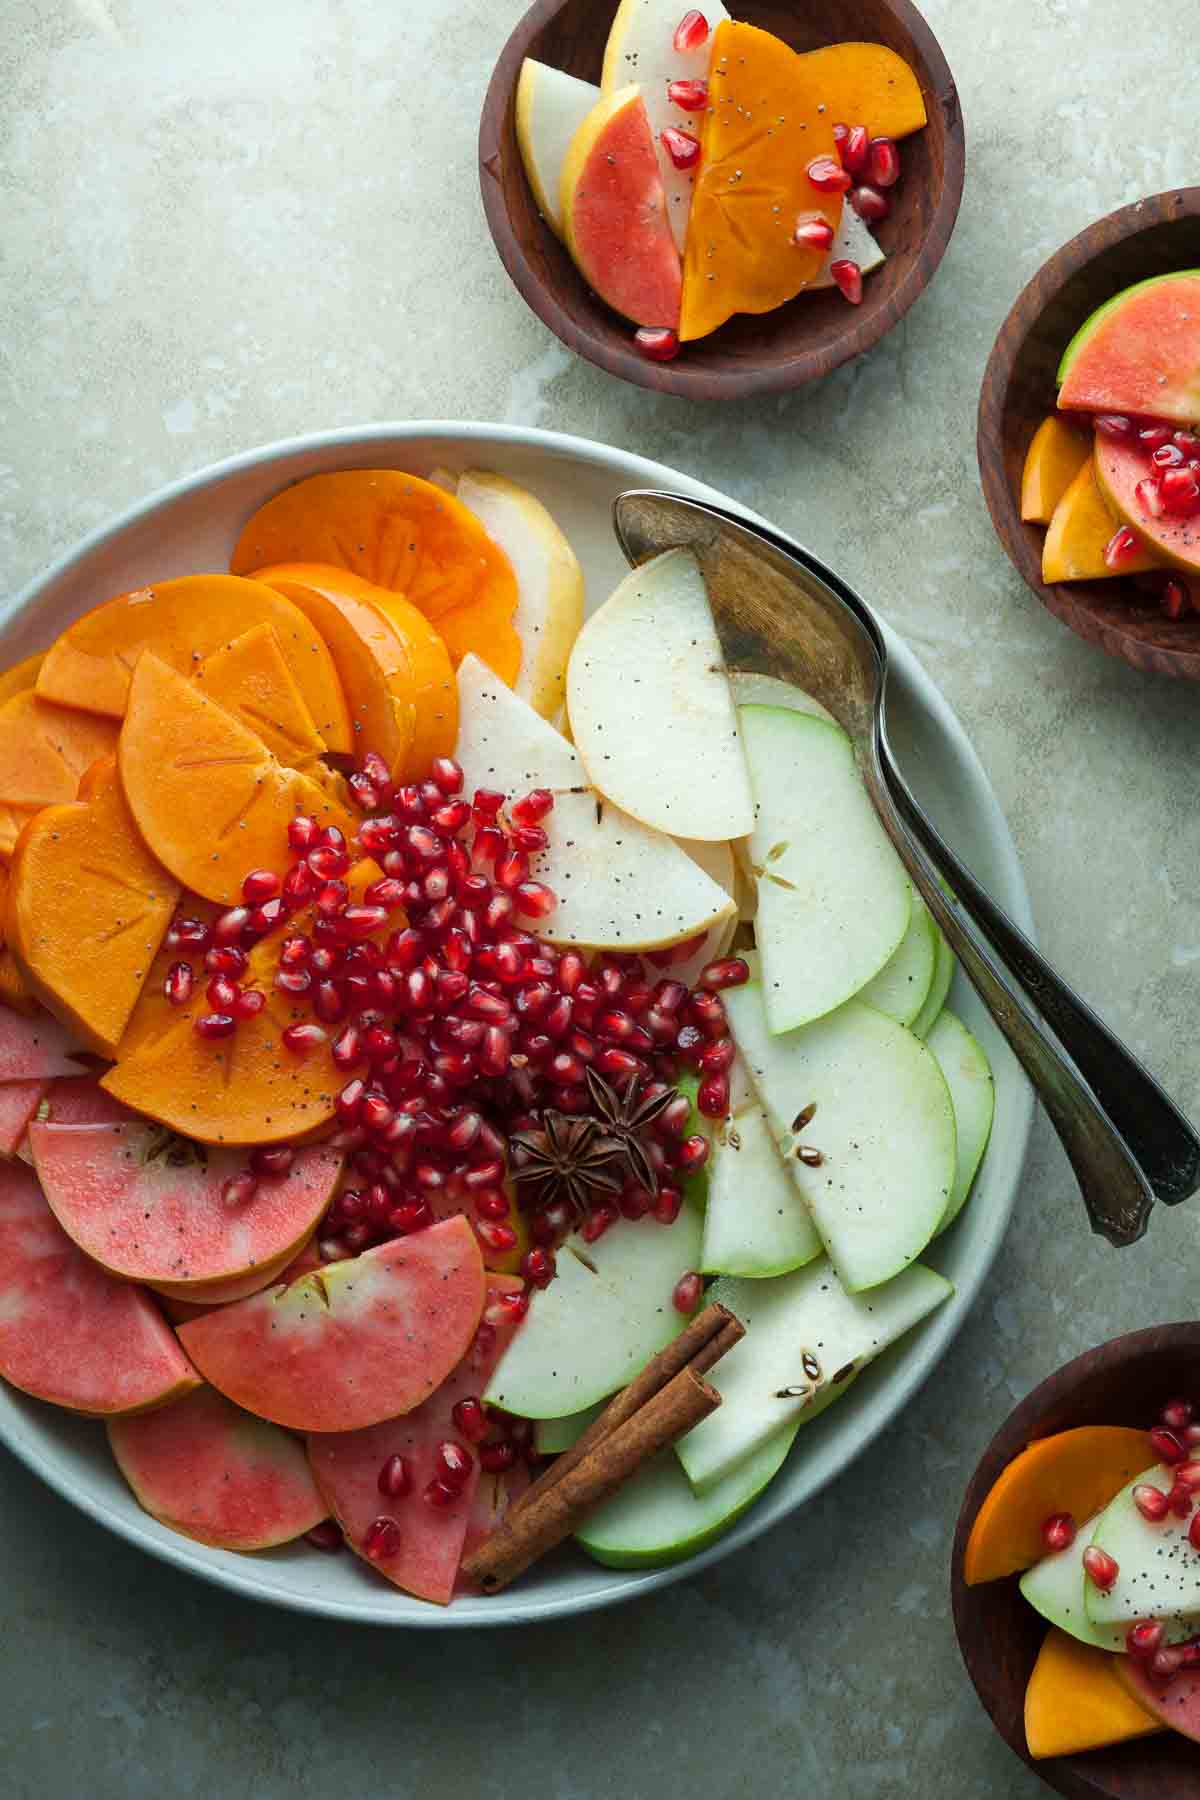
<point>389,1074</point>
<point>1100,1524</point>
<point>1114,474</point>
<point>715,171</point>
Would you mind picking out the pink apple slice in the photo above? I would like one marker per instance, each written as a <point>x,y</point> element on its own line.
<point>352,1343</point>
<point>183,1303</point>
<point>77,1100</point>
<point>69,1332</point>
<point>217,1474</point>
<point>35,1047</point>
<point>429,1540</point>
<point>19,1100</point>
<point>151,1206</point>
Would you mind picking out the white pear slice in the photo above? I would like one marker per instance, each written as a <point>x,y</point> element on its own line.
<point>751,689</point>
<point>884,1127</point>
<point>756,1223</point>
<point>551,106</point>
<point>935,1000</point>
<point>641,48</point>
<point>762,1380</point>
<point>657,1517</point>
<point>680,963</point>
<point>1158,1571</point>
<point>619,884</point>
<point>605,1314</point>
<point>902,986</point>
<point>549,583</point>
<point>833,898</point>
<point>651,710</point>
<point>1055,1587</point>
<point>852,242</point>
<point>973,1093</point>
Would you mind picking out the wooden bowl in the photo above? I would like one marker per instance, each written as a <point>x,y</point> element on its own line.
<point>1151,237</point>
<point>1125,1382</point>
<point>750,355</point>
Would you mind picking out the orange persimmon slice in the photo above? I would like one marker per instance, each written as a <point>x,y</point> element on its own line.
<point>21,676</point>
<point>86,910</point>
<point>247,1088</point>
<point>250,679</point>
<point>44,749</point>
<point>866,84</point>
<point>90,665</point>
<point>1054,458</point>
<point>401,533</point>
<point>207,795</point>
<point>1076,1472</point>
<point>154,1015</point>
<point>1074,1700</point>
<point>766,122</point>
<point>429,681</point>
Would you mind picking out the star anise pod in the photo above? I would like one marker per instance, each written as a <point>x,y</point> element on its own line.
<point>569,1159</point>
<point>625,1116</point>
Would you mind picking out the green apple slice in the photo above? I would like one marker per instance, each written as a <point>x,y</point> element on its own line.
<point>973,1093</point>
<point>552,1436</point>
<point>657,1518</point>
<point>605,1314</point>
<point>833,898</point>
<point>753,689</point>
<point>902,986</point>
<point>763,1382</point>
<point>551,106</point>
<point>651,711</point>
<point>1158,1570</point>
<point>935,1000</point>
<point>620,885</point>
<point>1055,1587</point>
<point>883,1124</point>
<point>756,1223</point>
<point>549,579</point>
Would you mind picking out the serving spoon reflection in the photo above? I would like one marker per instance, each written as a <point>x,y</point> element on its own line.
<point>779,611</point>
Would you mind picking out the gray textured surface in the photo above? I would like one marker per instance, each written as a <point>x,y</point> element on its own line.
<point>219,233</point>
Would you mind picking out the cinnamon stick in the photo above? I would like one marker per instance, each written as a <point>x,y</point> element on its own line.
<point>701,1343</point>
<point>545,1518</point>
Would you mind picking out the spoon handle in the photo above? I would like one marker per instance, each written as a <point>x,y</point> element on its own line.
<point>1157,1134</point>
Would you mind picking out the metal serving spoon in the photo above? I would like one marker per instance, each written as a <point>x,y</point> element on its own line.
<point>779,611</point>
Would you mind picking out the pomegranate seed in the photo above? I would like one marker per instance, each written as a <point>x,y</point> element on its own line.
<point>452,1464</point>
<point>363,791</point>
<point>828,176</point>
<point>713,1096</point>
<point>656,343</point>
<point>1100,1568</point>
<point>667,1203</point>
<point>840,134</point>
<point>1180,1500</point>
<point>326,1536</point>
<point>690,96</point>
<point>447,775</point>
<point>729,971</point>
<point>538,1266</point>
<point>884,162</point>
<point>248,1003</point>
<point>1165,1663</point>
<point>238,1190</point>
<point>598,1222</point>
<point>1168,456</point>
<point>1058,1531</point>
<point>229,960</point>
<point>179,982</point>
<point>688,1292</point>
<point>441,1494</point>
<point>681,146</point>
<point>1194,1531</point>
<point>1187,1475</point>
<point>1180,491</point>
<point>1148,494</point>
<point>1174,599</point>
<point>187,934</point>
<point>494,1052</point>
<point>848,277</point>
<point>215,1025</point>
<point>1176,1414</point>
<point>452,817</point>
<point>382,1539</point>
<point>227,927</point>
<point>813,232</point>
<point>329,1002</point>
<point>415,1216</point>
<point>1113,425</point>
<point>869,203</point>
<point>512,871</point>
<point>1150,437</point>
<point>1144,1638</point>
<point>395,1478</point>
<point>635,1202</point>
<point>673,1120</point>
<point>303,833</point>
<point>669,996</point>
<point>692,1154</point>
<point>301,1039</point>
<point>489,843</point>
<point>299,884</point>
<point>691,32</point>
<point>535,899</point>
<point>854,148</point>
<point>295,952</point>
<point>272,1162</point>
<point>571,971</point>
<point>1187,441</point>
<point>468,1416</point>
<point>1166,1446</point>
<point>293,981</point>
<point>387,892</point>
<point>492,1204</point>
<point>495,1459</point>
<point>495,1236</point>
<point>260,885</point>
<point>1121,548</point>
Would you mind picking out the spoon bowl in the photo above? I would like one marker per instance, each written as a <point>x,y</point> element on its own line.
<point>778,611</point>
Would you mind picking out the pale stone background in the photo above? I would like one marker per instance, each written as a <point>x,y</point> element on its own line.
<point>222,224</point>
